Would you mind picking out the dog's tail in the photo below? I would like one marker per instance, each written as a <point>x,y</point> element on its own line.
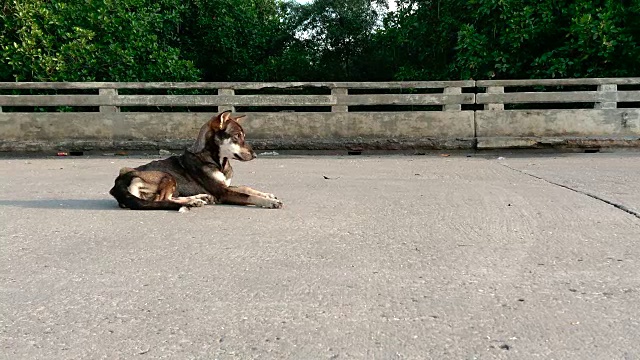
<point>120,191</point>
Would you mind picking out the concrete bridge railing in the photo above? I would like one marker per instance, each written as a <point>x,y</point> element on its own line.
<point>324,115</point>
<point>558,112</point>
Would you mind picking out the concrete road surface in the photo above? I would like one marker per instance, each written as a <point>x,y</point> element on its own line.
<point>388,257</point>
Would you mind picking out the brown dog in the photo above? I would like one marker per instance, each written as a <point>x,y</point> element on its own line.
<point>202,173</point>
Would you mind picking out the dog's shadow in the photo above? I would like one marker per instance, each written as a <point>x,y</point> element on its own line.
<point>69,204</point>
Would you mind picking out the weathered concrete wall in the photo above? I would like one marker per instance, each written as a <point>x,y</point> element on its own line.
<point>581,122</point>
<point>557,128</point>
<point>284,130</point>
<point>313,131</point>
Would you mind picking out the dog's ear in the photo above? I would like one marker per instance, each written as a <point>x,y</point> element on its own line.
<point>215,124</point>
<point>237,118</point>
<point>219,122</point>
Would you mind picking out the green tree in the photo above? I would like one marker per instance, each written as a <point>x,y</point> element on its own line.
<point>236,40</point>
<point>337,35</point>
<point>325,40</point>
<point>548,39</point>
<point>111,40</point>
<point>420,37</point>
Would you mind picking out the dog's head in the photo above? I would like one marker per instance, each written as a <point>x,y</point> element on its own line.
<point>223,135</point>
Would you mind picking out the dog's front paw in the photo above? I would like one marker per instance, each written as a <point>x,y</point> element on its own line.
<point>275,204</point>
<point>195,203</point>
<point>192,203</point>
<point>270,196</point>
<point>208,199</point>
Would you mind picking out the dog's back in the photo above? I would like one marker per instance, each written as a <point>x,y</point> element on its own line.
<point>187,184</point>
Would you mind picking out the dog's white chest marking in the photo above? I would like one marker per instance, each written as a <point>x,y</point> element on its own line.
<point>219,176</point>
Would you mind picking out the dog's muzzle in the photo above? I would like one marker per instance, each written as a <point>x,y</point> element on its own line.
<point>245,156</point>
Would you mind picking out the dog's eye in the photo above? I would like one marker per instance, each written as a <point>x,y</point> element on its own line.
<point>236,137</point>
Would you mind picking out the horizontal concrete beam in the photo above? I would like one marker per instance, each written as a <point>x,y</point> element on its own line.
<point>559,82</point>
<point>237,85</point>
<point>558,97</point>
<point>428,129</point>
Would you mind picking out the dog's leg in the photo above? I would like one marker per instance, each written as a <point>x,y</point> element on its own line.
<point>166,188</point>
<point>206,197</point>
<point>232,196</point>
<point>249,191</point>
<point>195,200</point>
<point>135,186</point>
<point>227,195</point>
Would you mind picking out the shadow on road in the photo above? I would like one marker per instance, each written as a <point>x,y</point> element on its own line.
<point>74,204</point>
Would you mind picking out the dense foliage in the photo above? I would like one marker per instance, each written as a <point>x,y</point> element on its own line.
<point>331,40</point>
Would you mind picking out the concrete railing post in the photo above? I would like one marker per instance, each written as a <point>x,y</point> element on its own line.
<point>228,92</point>
<point>607,88</point>
<point>109,94</point>
<point>453,91</point>
<point>494,90</point>
<point>337,92</point>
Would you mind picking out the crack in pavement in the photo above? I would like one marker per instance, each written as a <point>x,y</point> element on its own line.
<point>593,196</point>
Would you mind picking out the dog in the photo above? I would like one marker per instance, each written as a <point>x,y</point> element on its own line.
<point>201,175</point>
